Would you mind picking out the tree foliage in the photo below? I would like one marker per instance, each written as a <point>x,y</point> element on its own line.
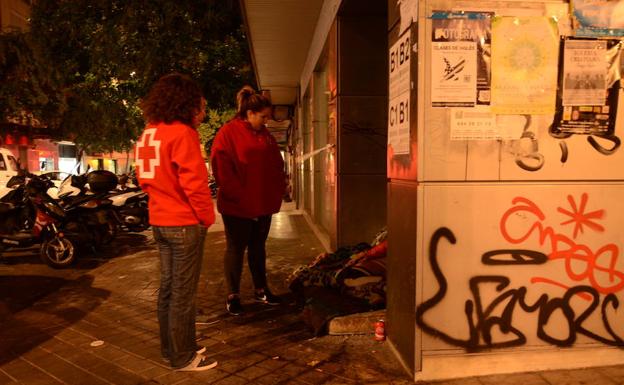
<point>84,64</point>
<point>214,120</point>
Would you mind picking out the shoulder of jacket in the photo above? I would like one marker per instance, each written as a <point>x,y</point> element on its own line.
<point>177,131</point>
<point>232,124</point>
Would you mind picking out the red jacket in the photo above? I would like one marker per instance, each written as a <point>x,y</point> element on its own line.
<point>249,170</point>
<point>171,170</point>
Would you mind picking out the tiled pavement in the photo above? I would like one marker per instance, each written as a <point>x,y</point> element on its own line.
<point>50,319</point>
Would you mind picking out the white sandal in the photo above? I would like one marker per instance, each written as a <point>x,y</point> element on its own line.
<point>198,364</point>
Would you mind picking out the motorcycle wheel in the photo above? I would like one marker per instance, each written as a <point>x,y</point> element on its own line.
<point>58,252</point>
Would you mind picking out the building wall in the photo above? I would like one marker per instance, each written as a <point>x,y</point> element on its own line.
<point>402,217</point>
<point>343,181</point>
<point>517,239</point>
<point>361,121</point>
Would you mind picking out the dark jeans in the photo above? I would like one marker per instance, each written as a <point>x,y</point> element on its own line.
<point>241,234</point>
<point>181,251</point>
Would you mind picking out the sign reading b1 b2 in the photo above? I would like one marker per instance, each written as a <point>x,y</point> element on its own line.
<point>399,66</point>
<point>399,95</point>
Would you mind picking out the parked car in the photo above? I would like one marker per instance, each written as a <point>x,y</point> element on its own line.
<point>8,169</point>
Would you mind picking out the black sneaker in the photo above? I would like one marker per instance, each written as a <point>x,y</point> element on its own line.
<point>265,296</point>
<point>233,305</point>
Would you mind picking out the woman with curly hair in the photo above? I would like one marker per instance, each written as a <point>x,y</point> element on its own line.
<point>171,170</point>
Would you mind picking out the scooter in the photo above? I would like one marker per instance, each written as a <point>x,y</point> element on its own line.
<point>90,205</point>
<point>57,249</point>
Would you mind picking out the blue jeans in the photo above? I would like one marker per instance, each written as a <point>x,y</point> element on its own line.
<point>181,252</point>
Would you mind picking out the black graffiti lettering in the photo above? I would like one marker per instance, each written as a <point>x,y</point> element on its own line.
<point>482,319</point>
<point>612,300</point>
<point>518,257</point>
<point>486,321</point>
<point>544,316</point>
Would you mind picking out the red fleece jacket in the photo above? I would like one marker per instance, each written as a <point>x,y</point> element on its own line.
<point>249,170</point>
<point>171,170</point>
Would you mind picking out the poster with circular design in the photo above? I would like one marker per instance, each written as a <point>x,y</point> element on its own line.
<point>524,65</point>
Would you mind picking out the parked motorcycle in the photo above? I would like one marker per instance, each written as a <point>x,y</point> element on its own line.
<point>22,208</point>
<point>49,230</point>
<point>130,209</point>
<point>85,198</point>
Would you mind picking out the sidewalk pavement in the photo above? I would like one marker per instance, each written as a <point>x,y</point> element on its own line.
<point>96,324</point>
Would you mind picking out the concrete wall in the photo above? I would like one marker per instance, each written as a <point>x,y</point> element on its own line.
<point>516,267</point>
<point>402,225</point>
<point>361,121</point>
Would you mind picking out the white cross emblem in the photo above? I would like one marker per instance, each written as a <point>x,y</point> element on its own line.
<point>147,154</point>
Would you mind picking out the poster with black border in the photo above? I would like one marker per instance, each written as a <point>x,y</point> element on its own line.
<point>598,18</point>
<point>460,58</point>
<point>587,119</point>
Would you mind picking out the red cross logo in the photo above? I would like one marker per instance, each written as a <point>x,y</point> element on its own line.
<point>147,154</point>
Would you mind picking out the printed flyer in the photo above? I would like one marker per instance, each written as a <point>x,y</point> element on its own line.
<point>450,28</point>
<point>589,88</point>
<point>584,73</point>
<point>524,65</point>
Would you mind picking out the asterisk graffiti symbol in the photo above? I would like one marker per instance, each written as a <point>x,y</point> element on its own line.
<point>579,217</point>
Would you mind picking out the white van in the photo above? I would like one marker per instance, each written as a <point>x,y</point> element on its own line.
<point>8,165</point>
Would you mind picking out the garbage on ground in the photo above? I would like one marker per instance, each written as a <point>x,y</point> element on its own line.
<point>350,280</point>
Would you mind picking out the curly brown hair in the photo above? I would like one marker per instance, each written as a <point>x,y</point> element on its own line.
<point>174,97</point>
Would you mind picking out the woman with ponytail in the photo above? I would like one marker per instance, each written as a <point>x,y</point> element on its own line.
<point>249,170</point>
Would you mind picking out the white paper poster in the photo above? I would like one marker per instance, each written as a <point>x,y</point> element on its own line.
<point>474,27</point>
<point>473,124</point>
<point>453,74</point>
<point>584,73</point>
<point>399,95</point>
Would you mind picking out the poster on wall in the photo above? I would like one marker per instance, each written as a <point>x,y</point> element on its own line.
<point>594,18</point>
<point>589,114</point>
<point>466,26</point>
<point>479,123</point>
<point>473,124</point>
<point>524,65</point>
<point>460,59</point>
<point>399,95</point>
<point>584,72</point>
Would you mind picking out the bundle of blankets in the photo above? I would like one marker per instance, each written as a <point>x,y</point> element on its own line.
<point>350,280</point>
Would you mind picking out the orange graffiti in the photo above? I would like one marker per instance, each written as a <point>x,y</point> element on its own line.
<point>597,268</point>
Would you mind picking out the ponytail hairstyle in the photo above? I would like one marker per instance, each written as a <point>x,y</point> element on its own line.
<point>247,99</point>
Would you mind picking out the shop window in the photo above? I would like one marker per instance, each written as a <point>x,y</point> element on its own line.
<point>67,151</point>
